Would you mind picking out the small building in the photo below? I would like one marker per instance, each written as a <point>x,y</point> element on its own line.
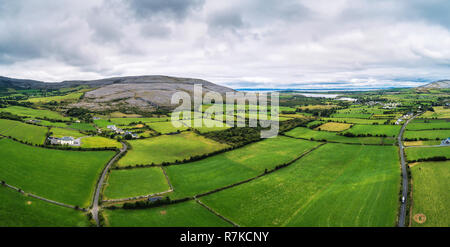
<point>446,141</point>
<point>112,127</point>
<point>34,121</point>
<point>66,140</point>
<point>133,135</point>
<point>96,118</point>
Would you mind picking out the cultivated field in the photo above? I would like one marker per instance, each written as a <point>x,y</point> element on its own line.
<point>99,142</point>
<point>64,176</point>
<point>355,120</point>
<point>309,134</point>
<point>421,124</point>
<point>61,132</point>
<point>34,113</point>
<point>427,134</point>
<point>128,121</point>
<point>375,130</point>
<point>168,148</point>
<point>186,214</point>
<point>18,210</point>
<point>431,194</point>
<point>335,185</point>
<point>416,153</point>
<point>135,182</point>
<point>166,127</point>
<point>82,126</point>
<point>234,166</point>
<point>336,127</point>
<point>24,132</point>
<point>439,112</point>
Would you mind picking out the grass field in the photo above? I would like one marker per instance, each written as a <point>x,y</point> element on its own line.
<point>186,214</point>
<point>23,132</point>
<point>18,210</point>
<point>118,114</point>
<point>306,133</point>
<point>316,107</point>
<point>99,142</point>
<point>135,182</point>
<point>102,123</point>
<point>389,130</point>
<point>64,176</point>
<point>330,126</point>
<point>439,112</point>
<point>67,97</point>
<point>128,121</point>
<point>214,125</point>
<point>166,127</point>
<point>427,134</point>
<point>419,124</point>
<point>335,185</point>
<point>354,120</point>
<point>234,166</point>
<point>351,115</point>
<point>61,132</point>
<point>168,148</point>
<point>34,113</point>
<point>431,194</point>
<point>82,126</point>
<point>415,153</point>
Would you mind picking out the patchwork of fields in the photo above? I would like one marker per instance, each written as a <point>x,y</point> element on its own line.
<point>325,188</point>
<point>234,166</point>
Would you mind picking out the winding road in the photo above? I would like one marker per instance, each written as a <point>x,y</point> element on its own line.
<point>402,216</point>
<point>94,209</point>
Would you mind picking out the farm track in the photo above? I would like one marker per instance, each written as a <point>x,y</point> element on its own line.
<point>95,203</point>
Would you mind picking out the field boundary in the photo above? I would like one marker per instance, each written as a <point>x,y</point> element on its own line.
<point>349,143</point>
<point>214,212</point>
<point>43,198</point>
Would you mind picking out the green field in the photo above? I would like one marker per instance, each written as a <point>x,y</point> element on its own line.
<point>48,123</point>
<point>102,123</point>
<point>374,130</point>
<point>34,113</point>
<point>168,148</point>
<point>18,210</point>
<point>99,142</point>
<point>23,132</point>
<point>208,125</point>
<point>186,214</point>
<point>439,112</point>
<point>354,120</point>
<point>61,132</point>
<point>67,97</point>
<point>128,121</point>
<point>64,176</point>
<point>351,115</point>
<point>431,194</point>
<point>427,134</point>
<point>82,126</point>
<point>234,166</point>
<point>419,124</point>
<point>166,127</point>
<point>135,182</point>
<point>335,185</point>
<point>306,133</point>
<point>415,153</point>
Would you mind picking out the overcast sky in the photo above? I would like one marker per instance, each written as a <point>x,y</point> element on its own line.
<point>238,43</point>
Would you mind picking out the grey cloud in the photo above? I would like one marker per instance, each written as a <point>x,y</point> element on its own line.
<point>178,9</point>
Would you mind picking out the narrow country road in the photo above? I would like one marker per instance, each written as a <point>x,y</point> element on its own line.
<point>94,209</point>
<point>402,216</point>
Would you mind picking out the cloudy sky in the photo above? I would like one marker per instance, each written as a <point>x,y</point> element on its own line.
<point>238,43</point>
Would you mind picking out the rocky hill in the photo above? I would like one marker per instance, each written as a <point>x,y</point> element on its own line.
<point>436,85</point>
<point>143,92</point>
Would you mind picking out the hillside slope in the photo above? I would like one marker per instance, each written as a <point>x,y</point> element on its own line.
<point>436,85</point>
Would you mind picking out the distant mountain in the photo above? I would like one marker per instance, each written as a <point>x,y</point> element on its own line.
<point>436,85</point>
<point>143,92</point>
